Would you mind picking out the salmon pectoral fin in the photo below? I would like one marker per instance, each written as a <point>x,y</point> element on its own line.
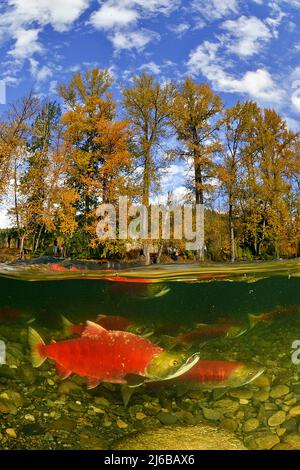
<point>126,393</point>
<point>62,372</point>
<point>92,330</point>
<point>134,380</point>
<point>92,382</point>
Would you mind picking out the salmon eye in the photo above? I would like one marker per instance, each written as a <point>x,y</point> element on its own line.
<point>174,363</point>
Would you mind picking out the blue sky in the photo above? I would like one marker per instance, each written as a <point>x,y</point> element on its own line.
<point>244,49</point>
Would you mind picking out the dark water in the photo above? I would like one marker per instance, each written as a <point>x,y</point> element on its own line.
<point>68,418</point>
<point>185,302</point>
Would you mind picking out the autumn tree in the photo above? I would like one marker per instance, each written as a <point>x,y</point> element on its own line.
<point>237,124</point>
<point>14,131</point>
<point>147,106</point>
<point>194,112</point>
<point>274,145</point>
<point>96,143</point>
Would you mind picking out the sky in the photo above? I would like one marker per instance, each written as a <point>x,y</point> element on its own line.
<point>243,49</point>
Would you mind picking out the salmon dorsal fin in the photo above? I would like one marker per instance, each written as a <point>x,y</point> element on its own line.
<point>92,330</point>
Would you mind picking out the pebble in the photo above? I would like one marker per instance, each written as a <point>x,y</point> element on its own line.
<point>11,432</point>
<point>266,441</point>
<point>121,424</point>
<point>229,424</point>
<point>166,418</point>
<point>295,411</point>
<point>210,414</point>
<point>277,419</point>
<point>244,401</point>
<point>102,402</point>
<point>227,405</point>
<point>261,395</point>
<point>30,418</point>
<point>251,425</point>
<point>67,387</point>
<point>140,416</point>
<point>293,440</point>
<point>242,394</point>
<point>279,391</point>
<point>261,382</point>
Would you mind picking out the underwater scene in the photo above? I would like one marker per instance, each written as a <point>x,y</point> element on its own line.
<point>161,357</point>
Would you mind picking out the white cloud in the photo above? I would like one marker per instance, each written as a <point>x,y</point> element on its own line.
<point>40,74</point>
<point>132,39</point>
<point>151,67</point>
<point>20,16</point>
<point>258,84</point>
<point>215,9</point>
<point>180,28</point>
<point>26,43</point>
<point>246,36</point>
<point>122,17</point>
<point>110,16</point>
<point>59,14</point>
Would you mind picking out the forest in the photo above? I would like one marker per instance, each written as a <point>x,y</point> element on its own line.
<point>60,159</point>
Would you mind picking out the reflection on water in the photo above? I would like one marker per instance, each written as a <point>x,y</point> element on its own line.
<point>243,320</point>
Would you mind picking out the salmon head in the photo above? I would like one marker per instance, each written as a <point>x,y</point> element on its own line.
<point>245,374</point>
<point>169,365</point>
<point>236,330</point>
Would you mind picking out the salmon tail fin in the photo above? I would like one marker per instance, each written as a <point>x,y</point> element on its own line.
<point>67,326</point>
<point>253,319</point>
<point>36,344</point>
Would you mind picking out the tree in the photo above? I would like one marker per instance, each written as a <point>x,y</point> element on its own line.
<point>275,148</point>
<point>13,134</point>
<point>193,113</point>
<point>147,106</point>
<point>237,122</point>
<point>96,144</point>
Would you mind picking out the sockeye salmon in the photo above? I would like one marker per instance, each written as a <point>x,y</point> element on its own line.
<point>100,355</point>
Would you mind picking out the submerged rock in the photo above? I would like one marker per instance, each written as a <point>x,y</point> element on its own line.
<point>201,437</point>
<point>279,391</point>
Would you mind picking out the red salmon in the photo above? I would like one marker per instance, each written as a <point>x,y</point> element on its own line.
<point>109,322</point>
<point>110,356</point>
<point>214,374</point>
<point>210,331</point>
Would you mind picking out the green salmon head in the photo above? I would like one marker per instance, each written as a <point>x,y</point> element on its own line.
<point>245,374</point>
<point>169,365</point>
<point>236,331</point>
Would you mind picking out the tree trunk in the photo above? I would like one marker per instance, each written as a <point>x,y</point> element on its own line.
<point>199,200</point>
<point>38,239</point>
<point>231,232</point>
<point>146,198</point>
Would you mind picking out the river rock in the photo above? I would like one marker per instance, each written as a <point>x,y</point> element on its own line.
<point>229,424</point>
<point>67,387</point>
<point>166,418</point>
<point>242,394</point>
<point>277,419</point>
<point>250,425</point>
<point>200,437</point>
<point>265,441</point>
<point>295,411</point>
<point>261,395</point>
<point>293,440</point>
<point>210,414</point>
<point>279,391</point>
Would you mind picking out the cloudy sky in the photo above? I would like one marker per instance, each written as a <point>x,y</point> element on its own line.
<point>244,49</point>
